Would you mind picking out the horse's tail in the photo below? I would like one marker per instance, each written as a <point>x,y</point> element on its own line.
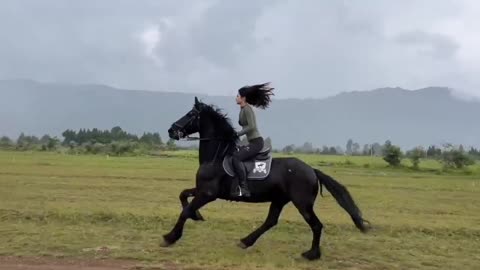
<point>344,199</point>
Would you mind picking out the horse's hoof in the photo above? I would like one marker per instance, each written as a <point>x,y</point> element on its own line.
<point>312,255</point>
<point>367,226</point>
<point>242,245</point>
<point>166,243</point>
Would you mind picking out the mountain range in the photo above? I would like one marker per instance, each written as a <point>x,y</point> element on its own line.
<point>429,116</point>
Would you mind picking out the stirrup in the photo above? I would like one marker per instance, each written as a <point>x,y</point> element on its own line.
<point>246,194</point>
<point>237,192</point>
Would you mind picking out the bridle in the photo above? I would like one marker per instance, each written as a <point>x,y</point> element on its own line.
<point>183,122</point>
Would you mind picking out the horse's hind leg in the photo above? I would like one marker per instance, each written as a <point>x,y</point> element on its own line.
<point>184,195</point>
<point>271,221</point>
<point>305,207</point>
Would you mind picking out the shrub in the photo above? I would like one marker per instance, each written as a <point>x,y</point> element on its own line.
<point>415,155</point>
<point>392,154</point>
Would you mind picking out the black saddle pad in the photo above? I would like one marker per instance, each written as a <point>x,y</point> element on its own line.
<point>257,169</point>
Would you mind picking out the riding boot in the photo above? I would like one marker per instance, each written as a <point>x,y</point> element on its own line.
<point>235,187</point>
<point>244,186</point>
<point>241,175</point>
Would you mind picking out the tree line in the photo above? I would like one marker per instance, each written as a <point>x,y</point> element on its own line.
<point>449,155</point>
<point>117,141</point>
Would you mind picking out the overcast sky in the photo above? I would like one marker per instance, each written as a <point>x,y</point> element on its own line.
<point>305,48</point>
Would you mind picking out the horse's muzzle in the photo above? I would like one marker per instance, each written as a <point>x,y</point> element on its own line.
<point>173,134</point>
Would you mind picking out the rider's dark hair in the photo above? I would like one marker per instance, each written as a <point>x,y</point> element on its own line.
<point>257,95</point>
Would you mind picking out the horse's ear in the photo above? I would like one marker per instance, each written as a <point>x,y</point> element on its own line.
<point>196,101</point>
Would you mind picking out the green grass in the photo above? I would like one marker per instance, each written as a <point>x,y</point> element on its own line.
<point>63,205</point>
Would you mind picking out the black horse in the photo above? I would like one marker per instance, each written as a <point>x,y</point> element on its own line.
<point>288,180</point>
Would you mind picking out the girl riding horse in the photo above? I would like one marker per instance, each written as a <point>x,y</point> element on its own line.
<point>248,96</point>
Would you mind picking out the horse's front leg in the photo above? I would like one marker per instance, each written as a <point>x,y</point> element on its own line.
<point>184,195</point>
<point>200,200</point>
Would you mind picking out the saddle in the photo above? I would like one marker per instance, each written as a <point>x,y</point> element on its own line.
<point>257,168</point>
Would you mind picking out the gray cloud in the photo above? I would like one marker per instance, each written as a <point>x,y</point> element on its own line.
<point>436,45</point>
<point>306,48</point>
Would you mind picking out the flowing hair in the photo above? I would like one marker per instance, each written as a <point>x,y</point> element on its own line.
<point>257,95</point>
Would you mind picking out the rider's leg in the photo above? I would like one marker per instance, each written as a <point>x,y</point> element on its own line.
<point>245,153</point>
<point>241,176</point>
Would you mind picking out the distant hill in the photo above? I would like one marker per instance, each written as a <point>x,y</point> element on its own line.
<point>408,118</point>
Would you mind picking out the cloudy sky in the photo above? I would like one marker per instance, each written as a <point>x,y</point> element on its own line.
<point>308,48</point>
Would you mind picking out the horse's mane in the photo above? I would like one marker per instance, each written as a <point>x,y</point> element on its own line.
<point>223,126</point>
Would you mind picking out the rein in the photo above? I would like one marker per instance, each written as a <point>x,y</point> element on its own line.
<point>188,138</point>
<point>184,122</point>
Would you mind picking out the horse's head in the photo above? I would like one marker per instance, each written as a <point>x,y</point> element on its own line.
<point>187,124</point>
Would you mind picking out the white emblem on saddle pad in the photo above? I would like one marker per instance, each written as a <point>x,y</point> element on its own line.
<point>260,167</point>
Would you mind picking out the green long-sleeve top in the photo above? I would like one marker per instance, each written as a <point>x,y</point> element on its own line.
<point>248,122</point>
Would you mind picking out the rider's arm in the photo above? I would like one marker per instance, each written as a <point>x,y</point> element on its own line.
<point>251,123</point>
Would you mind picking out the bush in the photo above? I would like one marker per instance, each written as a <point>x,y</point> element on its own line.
<point>415,155</point>
<point>456,158</point>
<point>97,148</point>
<point>171,145</point>
<point>121,148</point>
<point>6,143</point>
<point>392,154</point>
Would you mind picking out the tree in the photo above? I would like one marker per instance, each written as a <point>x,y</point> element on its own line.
<point>392,154</point>
<point>432,151</point>
<point>455,158</point>
<point>5,142</point>
<point>288,149</point>
<point>355,149</point>
<point>171,144</point>
<point>307,148</point>
<point>26,142</point>
<point>157,140</point>
<point>21,139</point>
<point>387,143</point>
<point>52,143</point>
<point>415,155</point>
<point>146,138</point>
<point>45,138</point>
<point>151,139</point>
<point>474,152</point>
<point>81,136</point>
<point>349,147</point>
<point>377,149</point>
<point>117,133</point>
<point>367,150</point>
<point>69,136</point>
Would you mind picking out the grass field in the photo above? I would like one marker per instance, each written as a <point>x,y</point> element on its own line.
<point>70,206</point>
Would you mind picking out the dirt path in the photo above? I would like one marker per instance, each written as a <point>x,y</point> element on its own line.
<point>41,263</point>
